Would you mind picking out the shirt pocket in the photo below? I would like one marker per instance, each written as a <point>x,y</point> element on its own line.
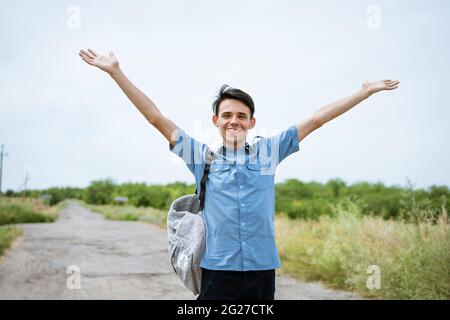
<point>260,175</point>
<point>219,176</point>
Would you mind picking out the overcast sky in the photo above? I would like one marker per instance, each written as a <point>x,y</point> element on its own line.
<point>67,123</point>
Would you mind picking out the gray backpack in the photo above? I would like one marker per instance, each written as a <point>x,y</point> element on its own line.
<point>186,233</point>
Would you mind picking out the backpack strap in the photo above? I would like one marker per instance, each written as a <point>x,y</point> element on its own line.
<point>209,157</point>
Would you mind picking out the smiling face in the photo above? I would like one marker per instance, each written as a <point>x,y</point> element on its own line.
<point>233,121</point>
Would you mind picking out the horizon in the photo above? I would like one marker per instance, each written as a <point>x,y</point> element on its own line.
<point>406,186</point>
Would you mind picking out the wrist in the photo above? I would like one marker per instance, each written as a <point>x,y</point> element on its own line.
<point>364,93</point>
<point>116,72</point>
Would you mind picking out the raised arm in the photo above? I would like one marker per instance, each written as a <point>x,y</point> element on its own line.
<point>110,65</point>
<point>337,108</point>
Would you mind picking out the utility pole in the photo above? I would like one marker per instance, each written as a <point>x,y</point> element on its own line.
<point>27,177</point>
<point>2,154</point>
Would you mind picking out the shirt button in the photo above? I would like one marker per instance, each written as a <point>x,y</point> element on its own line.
<point>241,187</point>
<point>243,243</point>
<point>243,204</point>
<point>243,224</point>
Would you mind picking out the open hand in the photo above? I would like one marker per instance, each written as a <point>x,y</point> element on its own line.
<point>379,85</point>
<point>109,63</point>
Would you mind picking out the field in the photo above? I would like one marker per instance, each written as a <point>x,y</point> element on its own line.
<point>413,259</point>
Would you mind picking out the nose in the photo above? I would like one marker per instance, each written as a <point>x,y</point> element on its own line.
<point>234,120</point>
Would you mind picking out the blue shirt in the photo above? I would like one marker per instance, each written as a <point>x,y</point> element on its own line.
<point>240,200</point>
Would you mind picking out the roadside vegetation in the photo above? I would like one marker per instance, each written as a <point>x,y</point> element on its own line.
<point>22,210</point>
<point>412,258</point>
<point>131,213</point>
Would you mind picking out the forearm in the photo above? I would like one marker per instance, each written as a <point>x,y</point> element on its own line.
<point>335,109</point>
<point>137,97</point>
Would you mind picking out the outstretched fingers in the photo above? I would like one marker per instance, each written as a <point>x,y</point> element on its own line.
<point>392,88</point>
<point>391,84</point>
<point>87,54</point>
<point>93,52</point>
<point>86,58</point>
<point>88,61</point>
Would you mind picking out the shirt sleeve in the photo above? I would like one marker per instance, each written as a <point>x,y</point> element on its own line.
<point>191,151</point>
<point>278,147</point>
<point>288,143</point>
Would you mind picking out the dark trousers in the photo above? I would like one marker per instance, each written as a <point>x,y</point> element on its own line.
<point>237,285</point>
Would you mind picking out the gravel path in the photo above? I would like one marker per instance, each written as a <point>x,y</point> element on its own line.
<point>116,259</point>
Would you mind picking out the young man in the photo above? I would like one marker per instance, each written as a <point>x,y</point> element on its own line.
<point>240,256</point>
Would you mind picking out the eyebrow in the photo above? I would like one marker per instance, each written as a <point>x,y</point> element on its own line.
<point>239,113</point>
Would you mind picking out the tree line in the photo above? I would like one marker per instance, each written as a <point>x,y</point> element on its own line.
<point>293,197</point>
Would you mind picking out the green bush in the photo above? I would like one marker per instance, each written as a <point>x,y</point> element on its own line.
<point>311,200</point>
<point>308,209</point>
<point>100,192</point>
<point>11,213</point>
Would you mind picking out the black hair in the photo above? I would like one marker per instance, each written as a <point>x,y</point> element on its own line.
<point>227,92</point>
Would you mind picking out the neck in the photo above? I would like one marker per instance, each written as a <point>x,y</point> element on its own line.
<point>234,145</point>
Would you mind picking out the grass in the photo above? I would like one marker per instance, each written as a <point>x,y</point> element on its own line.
<point>7,235</point>
<point>414,258</point>
<point>130,213</point>
<point>25,210</point>
<point>21,210</point>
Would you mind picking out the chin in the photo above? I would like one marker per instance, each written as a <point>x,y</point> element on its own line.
<point>234,135</point>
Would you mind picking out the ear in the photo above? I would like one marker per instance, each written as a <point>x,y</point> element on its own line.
<point>214,120</point>
<point>253,122</point>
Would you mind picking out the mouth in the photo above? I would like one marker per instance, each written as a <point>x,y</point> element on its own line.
<point>234,129</point>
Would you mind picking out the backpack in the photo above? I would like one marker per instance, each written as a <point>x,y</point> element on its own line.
<point>186,233</point>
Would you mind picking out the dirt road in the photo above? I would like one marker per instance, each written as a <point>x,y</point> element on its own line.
<point>106,260</point>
